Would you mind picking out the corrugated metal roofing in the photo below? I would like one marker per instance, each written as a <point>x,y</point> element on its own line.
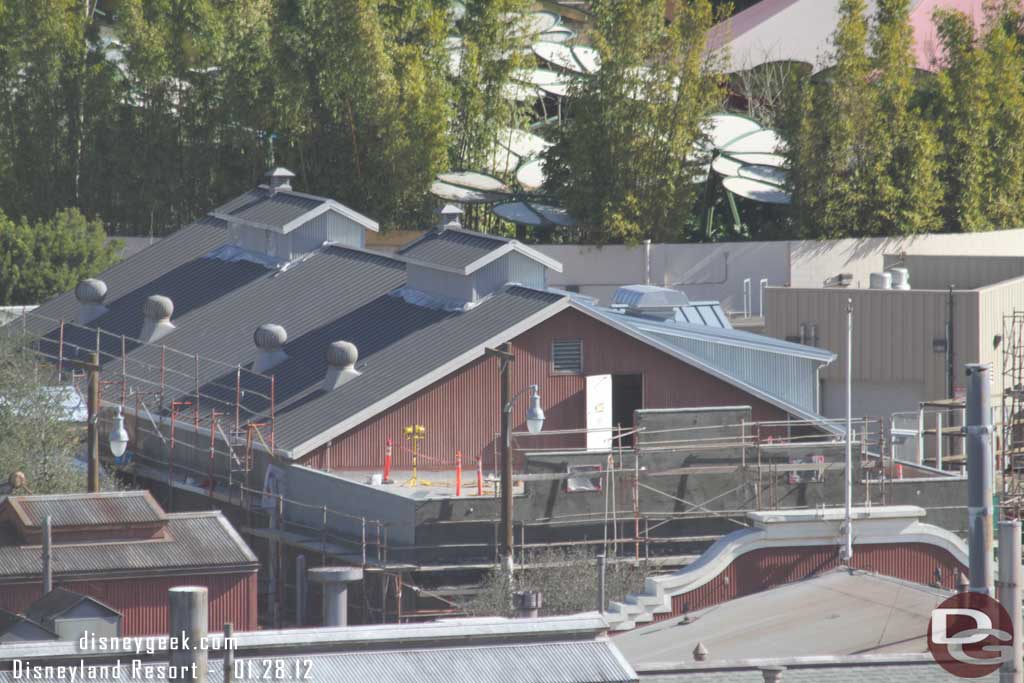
<point>276,209</point>
<point>88,509</point>
<point>452,248</point>
<point>195,539</point>
<point>915,672</point>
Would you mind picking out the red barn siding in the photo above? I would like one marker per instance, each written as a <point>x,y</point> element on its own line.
<point>143,600</point>
<point>761,570</point>
<point>461,411</point>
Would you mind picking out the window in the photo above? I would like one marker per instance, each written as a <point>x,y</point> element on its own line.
<point>583,478</point>
<point>567,356</point>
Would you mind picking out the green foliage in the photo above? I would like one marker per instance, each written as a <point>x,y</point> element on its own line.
<point>566,579</point>
<point>35,437</point>
<point>624,163</point>
<point>41,259</point>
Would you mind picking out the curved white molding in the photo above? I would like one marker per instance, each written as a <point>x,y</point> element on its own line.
<point>895,524</point>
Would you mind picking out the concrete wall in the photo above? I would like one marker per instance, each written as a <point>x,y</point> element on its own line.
<point>716,271</point>
<point>959,271</point>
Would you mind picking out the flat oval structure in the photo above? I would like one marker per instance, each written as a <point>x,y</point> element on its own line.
<point>776,160</point>
<point>462,195</point>
<point>756,191</point>
<point>559,34</point>
<point>558,55</point>
<point>724,128</point>
<point>588,58</point>
<point>519,213</point>
<point>530,175</point>
<point>555,215</point>
<point>763,141</point>
<point>472,180</point>
<point>765,174</point>
<point>725,165</point>
<point>522,143</point>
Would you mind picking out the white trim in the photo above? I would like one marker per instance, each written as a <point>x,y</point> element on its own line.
<point>424,381</point>
<point>325,206</point>
<point>782,529</point>
<point>690,359</point>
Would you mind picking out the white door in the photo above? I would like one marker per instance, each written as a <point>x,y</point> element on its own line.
<point>599,412</point>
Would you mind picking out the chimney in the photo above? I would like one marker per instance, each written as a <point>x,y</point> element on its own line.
<point>527,604</point>
<point>269,339</point>
<point>335,582</point>
<point>47,555</point>
<point>341,364</point>
<point>187,618</point>
<point>279,178</point>
<point>90,294</point>
<point>156,311</point>
<point>449,217</point>
<point>700,653</point>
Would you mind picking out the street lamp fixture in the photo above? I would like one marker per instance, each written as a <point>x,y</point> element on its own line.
<point>118,435</point>
<point>534,414</point>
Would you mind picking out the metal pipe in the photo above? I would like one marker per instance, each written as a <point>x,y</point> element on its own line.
<point>507,532</point>
<point>938,440</point>
<point>93,409</point>
<point>920,435</point>
<point>950,366</point>
<point>761,286</point>
<point>189,609</point>
<point>979,477</point>
<point>527,604</point>
<point>600,582</point>
<point>1012,671</point>
<point>647,262</point>
<point>47,555</point>
<point>848,520</point>
<point>300,590</point>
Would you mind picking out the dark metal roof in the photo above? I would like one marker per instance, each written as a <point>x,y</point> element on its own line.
<point>87,509</point>
<point>275,209</point>
<point>452,248</point>
<point>57,602</point>
<point>336,294</point>
<point>195,540</point>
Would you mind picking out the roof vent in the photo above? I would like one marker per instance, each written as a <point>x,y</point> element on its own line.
<point>649,301</point>
<point>881,280</point>
<point>341,364</point>
<point>279,178</point>
<point>90,294</point>
<point>450,217</point>
<point>157,311</point>
<point>900,278</point>
<point>269,339</point>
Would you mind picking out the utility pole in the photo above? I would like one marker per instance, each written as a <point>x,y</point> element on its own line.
<point>93,408</point>
<point>505,358</point>
<point>979,477</point>
<point>848,542</point>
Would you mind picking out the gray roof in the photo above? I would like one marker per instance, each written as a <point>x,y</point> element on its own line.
<point>283,209</point>
<point>465,251</point>
<point>87,509</point>
<point>840,672</point>
<point>57,602</point>
<point>841,612</point>
<point>336,294</point>
<point>567,649</point>
<point>195,540</point>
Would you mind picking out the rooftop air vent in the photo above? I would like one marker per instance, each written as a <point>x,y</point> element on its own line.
<point>157,311</point>
<point>279,178</point>
<point>449,217</point>
<point>341,364</point>
<point>269,339</point>
<point>649,301</point>
<point>881,280</point>
<point>90,294</point>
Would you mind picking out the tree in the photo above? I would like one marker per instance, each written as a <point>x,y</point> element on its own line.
<point>964,90</point>
<point>37,437</point>
<point>624,163</point>
<point>904,195</point>
<point>41,259</point>
<point>566,580</point>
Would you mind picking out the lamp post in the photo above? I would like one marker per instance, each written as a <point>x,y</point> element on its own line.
<point>118,435</point>
<point>534,424</point>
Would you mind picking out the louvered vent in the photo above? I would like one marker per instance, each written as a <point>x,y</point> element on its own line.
<point>567,356</point>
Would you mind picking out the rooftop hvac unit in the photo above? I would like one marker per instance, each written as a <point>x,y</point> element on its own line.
<point>840,280</point>
<point>881,280</point>
<point>900,278</point>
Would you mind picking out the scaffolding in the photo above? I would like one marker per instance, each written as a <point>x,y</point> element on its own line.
<point>1011,454</point>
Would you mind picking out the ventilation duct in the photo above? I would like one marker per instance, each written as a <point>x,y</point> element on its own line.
<point>279,179</point>
<point>269,339</point>
<point>881,281</point>
<point>157,313</point>
<point>341,364</point>
<point>900,278</point>
<point>90,294</point>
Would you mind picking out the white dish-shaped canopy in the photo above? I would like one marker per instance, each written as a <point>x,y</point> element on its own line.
<point>757,191</point>
<point>530,175</point>
<point>472,180</point>
<point>462,195</point>
<point>765,174</point>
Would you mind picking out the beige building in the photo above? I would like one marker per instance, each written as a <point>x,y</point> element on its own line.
<point>899,336</point>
